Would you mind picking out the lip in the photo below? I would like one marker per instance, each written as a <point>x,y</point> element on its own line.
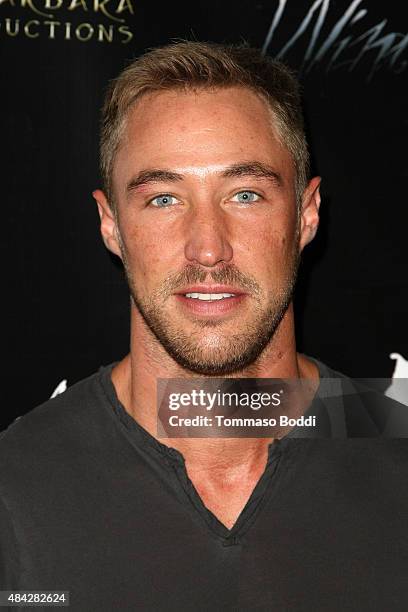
<point>202,307</point>
<point>210,289</point>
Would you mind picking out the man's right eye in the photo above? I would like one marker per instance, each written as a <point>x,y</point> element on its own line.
<point>164,200</point>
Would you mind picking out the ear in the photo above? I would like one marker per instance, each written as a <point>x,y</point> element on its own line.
<point>109,229</point>
<point>309,214</point>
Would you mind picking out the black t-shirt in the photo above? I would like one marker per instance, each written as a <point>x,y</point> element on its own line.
<point>92,504</point>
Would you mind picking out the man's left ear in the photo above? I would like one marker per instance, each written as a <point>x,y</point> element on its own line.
<point>309,214</point>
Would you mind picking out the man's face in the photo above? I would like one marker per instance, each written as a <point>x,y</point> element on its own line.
<point>208,228</point>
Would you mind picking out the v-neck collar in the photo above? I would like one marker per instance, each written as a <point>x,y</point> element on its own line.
<point>247,516</point>
<point>328,408</point>
<point>146,439</point>
<point>174,460</point>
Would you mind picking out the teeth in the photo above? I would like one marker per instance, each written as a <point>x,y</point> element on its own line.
<point>209,296</point>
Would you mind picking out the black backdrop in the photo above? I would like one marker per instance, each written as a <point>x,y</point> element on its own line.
<point>65,305</point>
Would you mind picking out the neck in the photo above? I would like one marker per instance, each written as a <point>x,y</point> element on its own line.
<point>135,379</point>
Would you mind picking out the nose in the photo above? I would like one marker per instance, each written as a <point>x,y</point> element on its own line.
<point>207,239</point>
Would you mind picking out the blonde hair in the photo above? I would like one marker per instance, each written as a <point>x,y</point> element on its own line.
<point>195,65</point>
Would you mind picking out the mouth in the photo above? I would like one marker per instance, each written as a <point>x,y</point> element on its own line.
<point>210,300</point>
<point>209,297</point>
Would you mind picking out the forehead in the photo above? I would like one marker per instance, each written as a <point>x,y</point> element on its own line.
<point>199,129</point>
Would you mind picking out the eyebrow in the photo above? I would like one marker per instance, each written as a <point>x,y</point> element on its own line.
<point>253,168</point>
<point>152,176</point>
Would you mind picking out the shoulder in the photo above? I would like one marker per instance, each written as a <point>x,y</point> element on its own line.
<point>45,435</point>
<point>53,415</point>
<point>368,412</point>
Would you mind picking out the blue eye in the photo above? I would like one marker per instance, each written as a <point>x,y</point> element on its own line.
<point>244,197</point>
<point>163,200</point>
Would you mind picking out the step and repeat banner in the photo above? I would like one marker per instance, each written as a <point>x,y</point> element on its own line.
<point>65,303</point>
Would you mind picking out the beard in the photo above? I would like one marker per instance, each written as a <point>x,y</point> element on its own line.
<point>210,350</point>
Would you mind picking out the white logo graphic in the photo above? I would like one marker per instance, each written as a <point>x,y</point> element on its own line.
<point>398,390</point>
<point>60,388</point>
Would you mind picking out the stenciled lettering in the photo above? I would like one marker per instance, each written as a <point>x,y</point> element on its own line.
<point>109,8</point>
<point>27,30</point>
<point>56,29</point>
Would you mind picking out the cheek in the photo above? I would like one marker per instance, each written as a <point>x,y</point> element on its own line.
<point>271,247</point>
<point>269,255</point>
<point>149,255</point>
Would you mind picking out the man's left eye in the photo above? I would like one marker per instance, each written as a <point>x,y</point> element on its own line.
<point>164,200</point>
<point>244,197</point>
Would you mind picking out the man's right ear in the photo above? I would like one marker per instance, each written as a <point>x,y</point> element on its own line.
<point>109,229</point>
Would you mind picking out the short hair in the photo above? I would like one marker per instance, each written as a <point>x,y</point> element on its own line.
<point>202,65</point>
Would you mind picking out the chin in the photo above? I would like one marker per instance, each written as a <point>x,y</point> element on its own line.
<point>211,368</point>
<point>217,360</point>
